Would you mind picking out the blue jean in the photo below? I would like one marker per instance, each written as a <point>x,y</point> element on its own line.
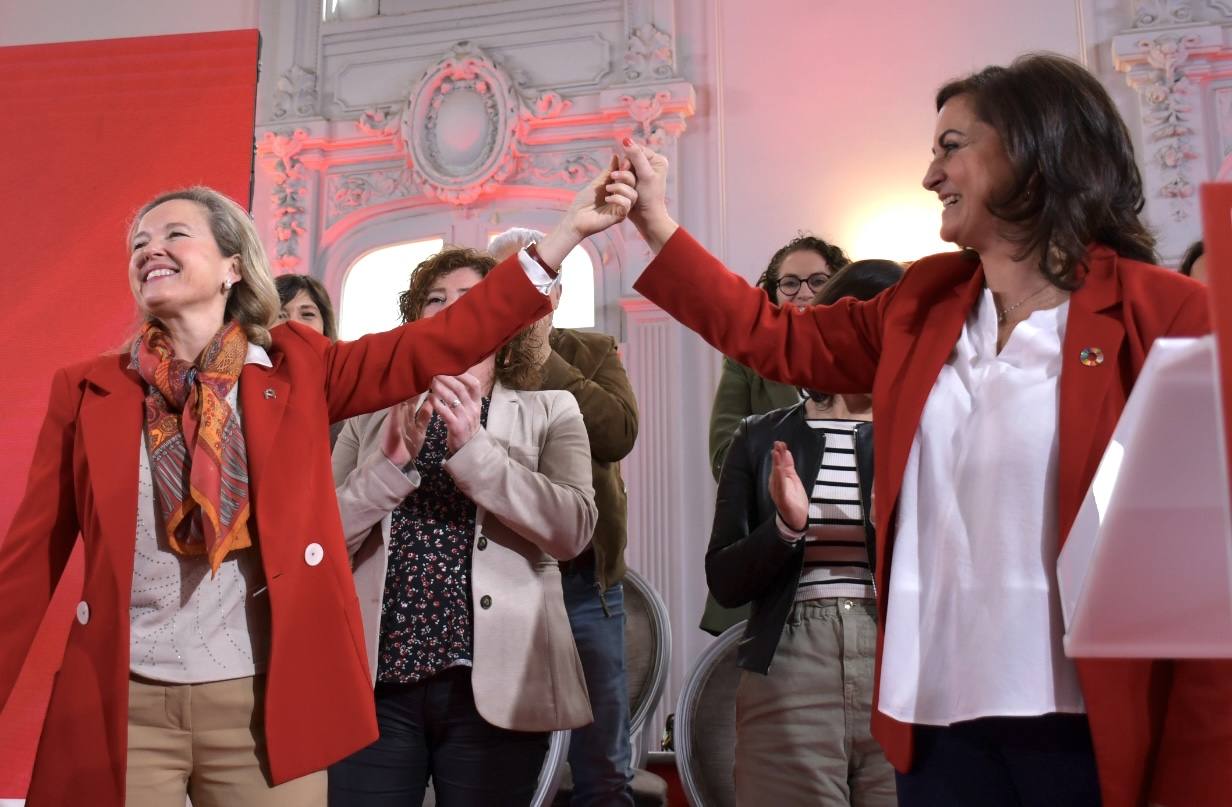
<point>600,754</point>
<point>432,729</point>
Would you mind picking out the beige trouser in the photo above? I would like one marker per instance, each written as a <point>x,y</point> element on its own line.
<point>802,732</point>
<point>207,742</point>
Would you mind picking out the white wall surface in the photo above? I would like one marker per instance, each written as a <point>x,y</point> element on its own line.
<point>827,113</point>
<point>29,22</point>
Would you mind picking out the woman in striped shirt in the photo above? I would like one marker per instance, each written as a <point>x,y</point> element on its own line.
<point>802,731</point>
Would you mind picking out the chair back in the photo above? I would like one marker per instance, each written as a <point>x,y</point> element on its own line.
<point>648,651</point>
<point>705,730</point>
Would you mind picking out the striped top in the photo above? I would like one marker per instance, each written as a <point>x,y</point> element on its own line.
<point>835,556</point>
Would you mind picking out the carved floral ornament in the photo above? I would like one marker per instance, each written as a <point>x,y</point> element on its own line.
<point>287,194</point>
<point>1153,13</point>
<point>1167,116</point>
<point>648,54</point>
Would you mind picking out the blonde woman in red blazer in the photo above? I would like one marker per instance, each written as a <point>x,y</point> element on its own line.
<point>1036,174</point>
<point>197,269</point>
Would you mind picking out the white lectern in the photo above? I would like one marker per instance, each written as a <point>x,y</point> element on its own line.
<point>1146,571</point>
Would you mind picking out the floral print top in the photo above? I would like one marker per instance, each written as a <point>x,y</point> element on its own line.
<point>426,613</point>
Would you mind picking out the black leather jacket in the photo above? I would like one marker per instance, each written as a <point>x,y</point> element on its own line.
<point>747,560</point>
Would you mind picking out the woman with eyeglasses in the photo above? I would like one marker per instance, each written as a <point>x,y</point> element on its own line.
<point>796,272</point>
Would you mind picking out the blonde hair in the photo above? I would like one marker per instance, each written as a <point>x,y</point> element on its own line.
<point>512,240</point>
<point>253,302</point>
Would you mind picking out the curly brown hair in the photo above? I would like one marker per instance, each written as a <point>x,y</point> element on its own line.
<point>834,257</point>
<point>516,367</point>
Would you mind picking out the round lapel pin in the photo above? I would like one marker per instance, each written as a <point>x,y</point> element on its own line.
<point>269,392</point>
<point>1091,356</point>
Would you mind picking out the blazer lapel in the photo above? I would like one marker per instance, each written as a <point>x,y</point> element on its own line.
<point>111,429</point>
<point>1087,379</point>
<point>263,399</point>
<point>504,414</point>
<point>922,346</point>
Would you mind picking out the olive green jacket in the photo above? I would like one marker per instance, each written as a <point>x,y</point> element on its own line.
<point>588,366</point>
<point>741,393</point>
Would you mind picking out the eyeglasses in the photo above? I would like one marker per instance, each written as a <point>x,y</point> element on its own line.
<point>790,285</point>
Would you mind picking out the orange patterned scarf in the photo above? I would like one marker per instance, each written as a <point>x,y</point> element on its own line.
<point>197,454</point>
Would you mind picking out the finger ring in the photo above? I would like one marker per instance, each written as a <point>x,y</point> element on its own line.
<point>455,403</point>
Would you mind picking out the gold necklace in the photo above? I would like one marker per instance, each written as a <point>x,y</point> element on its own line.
<point>1004,312</point>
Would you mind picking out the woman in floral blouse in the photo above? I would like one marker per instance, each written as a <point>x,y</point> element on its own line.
<point>456,506</point>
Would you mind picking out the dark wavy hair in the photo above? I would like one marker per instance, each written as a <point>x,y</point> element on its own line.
<point>832,255</point>
<point>291,285</point>
<point>516,367</point>
<point>862,280</point>
<point>1196,250</point>
<point>1075,180</point>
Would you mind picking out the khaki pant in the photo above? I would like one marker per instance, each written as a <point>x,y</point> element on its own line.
<point>802,732</point>
<point>207,742</point>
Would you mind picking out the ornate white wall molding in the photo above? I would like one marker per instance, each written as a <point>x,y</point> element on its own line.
<point>1177,71</point>
<point>296,93</point>
<point>649,54</point>
<point>288,188</point>
<point>1151,13</point>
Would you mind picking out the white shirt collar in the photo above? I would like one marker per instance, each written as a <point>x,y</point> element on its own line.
<point>257,355</point>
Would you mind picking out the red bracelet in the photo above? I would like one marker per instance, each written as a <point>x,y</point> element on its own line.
<point>533,251</point>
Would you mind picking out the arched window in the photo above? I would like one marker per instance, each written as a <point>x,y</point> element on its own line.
<point>577,282</point>
<point>369,301</point>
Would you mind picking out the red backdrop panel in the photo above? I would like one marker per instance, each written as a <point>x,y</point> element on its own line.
<point>90,131</point>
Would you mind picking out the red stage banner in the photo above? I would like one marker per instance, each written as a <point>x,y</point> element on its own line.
<point>90,131</point>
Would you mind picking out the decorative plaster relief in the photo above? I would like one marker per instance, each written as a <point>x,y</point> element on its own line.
<point>1166,112</point>
<point>1223,118</point>
<point>346,193</point>
<point>1222,6</point>
<point>295,94</point>
<point>559,169</point>
<point>648,54</point>
<point>459,126</point>
<point>1153,13</point>
<point>378,121</point>
<point>645,110</point>
<point>289,189</point>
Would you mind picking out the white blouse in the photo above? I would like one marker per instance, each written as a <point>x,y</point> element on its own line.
<point>973,618</point>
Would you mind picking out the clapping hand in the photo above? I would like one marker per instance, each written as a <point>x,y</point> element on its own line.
<point>786,489</point>
<point>458,401</point>
<point>404,432</point>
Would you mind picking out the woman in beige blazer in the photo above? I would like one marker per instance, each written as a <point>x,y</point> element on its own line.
<point>456,507</point>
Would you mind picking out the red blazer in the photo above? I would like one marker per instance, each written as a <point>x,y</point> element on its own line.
<point>1161,729</point>
<point>319,705</point>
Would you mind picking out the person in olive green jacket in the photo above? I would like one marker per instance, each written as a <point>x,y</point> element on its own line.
<point>796,272</point>
<point>588,365</point>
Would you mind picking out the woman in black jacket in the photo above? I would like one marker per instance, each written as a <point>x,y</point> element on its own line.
<point>802,731</point>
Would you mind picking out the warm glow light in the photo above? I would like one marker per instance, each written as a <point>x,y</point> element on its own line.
<point>903,229</point>
<point>373,283</point>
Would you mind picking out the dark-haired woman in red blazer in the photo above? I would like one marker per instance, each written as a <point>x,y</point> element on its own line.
<point>218,650</point>
<point>998,375</point>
